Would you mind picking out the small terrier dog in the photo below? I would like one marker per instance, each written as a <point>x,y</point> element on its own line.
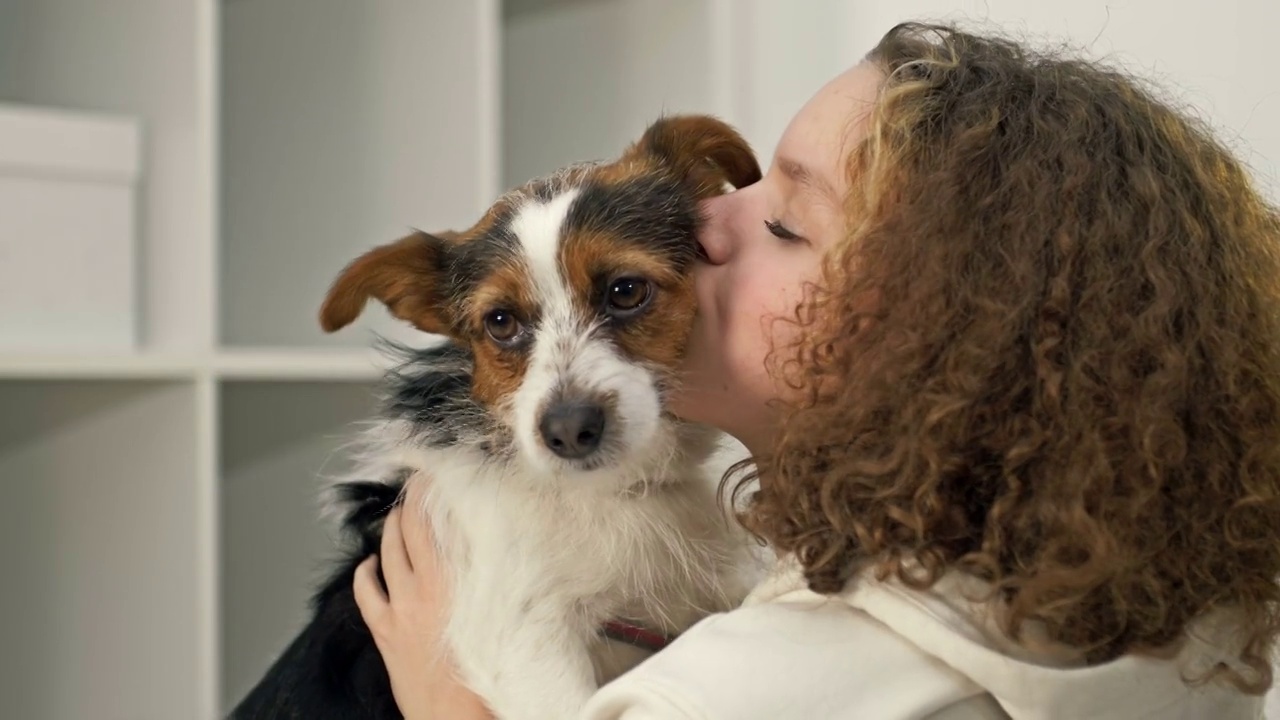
<point>572,510</point>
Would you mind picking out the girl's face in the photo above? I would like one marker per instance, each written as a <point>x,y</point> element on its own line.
<point>763,243</point>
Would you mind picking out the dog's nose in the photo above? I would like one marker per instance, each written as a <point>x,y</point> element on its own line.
<point>572,430</point>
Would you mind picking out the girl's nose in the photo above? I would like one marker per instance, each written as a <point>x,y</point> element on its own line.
<point>715,237</point>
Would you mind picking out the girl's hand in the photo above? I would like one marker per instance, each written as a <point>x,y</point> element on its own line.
<point>407,620</point>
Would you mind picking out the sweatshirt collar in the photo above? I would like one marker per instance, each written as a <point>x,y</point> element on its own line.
<point>1031,681</point>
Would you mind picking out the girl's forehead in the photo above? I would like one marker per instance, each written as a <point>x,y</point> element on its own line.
<point>824,130</point>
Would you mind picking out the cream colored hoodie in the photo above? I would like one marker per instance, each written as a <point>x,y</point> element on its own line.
<point>882,652</point>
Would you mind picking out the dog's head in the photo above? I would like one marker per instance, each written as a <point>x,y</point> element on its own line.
<point>573,293</point>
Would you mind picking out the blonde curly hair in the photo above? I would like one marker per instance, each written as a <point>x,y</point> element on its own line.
<point>1070,383</point>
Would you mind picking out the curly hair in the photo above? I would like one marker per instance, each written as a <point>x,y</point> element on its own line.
<point>1069,384</point>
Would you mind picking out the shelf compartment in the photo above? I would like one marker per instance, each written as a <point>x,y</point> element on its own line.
<point>101,495</point>
<point>145,60</point>
<point>281,441</point>
<point>343,126</point>
<point>581,79</point>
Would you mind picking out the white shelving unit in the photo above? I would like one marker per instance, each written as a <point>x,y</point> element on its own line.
<point>162,502</point>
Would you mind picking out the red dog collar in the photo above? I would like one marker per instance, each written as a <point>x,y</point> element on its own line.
<point>623,631</point>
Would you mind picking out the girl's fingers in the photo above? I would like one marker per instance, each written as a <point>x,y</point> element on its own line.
<point>370,598</point>
<point>415,529</point>
<point>396,566</point>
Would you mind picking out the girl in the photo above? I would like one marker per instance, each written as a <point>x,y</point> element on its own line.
<point>1000,331</point>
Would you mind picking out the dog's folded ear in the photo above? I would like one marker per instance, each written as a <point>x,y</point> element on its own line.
<point>406,276</point>
<point>704,150</point>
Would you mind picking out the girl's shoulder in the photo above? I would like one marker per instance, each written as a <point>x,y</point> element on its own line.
<point>881,650</point>
<point>788,658</point>
<point>956,624</point>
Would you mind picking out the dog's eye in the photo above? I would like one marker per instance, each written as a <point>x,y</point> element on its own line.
<point>502,326</point>
<point>627,295</point>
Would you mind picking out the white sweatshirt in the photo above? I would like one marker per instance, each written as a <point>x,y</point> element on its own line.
<point>882,652</point>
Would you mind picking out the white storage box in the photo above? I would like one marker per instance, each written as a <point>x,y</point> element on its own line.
<point>68,187</point>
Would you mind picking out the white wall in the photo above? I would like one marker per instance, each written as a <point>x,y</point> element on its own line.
<point>781,53</point>
<point>1211,56</point>
<point>1216,57</point>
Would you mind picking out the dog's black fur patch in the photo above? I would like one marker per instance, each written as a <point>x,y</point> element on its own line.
<point>653,211</point>
<point>332,670</point>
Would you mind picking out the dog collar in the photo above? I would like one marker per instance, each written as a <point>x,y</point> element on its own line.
<point>626,632</point>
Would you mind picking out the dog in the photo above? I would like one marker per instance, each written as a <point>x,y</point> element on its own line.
<point>572,509</point>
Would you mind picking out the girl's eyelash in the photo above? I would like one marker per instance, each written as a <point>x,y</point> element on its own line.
<point>780,232</point>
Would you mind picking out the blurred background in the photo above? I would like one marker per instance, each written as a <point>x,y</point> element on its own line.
<point>180,180</point>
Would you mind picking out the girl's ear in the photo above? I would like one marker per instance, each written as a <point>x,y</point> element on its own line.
<point>705,151</point>
<point>406,276</point>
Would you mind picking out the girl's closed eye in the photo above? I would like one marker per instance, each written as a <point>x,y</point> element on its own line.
<point>778,230</point>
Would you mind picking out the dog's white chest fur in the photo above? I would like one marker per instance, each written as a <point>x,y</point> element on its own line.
<point>537,574</point>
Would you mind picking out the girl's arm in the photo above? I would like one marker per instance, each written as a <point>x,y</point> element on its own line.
<point>803,657</point>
